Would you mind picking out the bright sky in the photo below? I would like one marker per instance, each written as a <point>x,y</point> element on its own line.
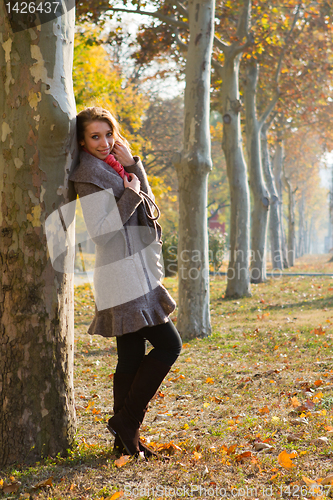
<point>326,173</point>
<point>169,87</point>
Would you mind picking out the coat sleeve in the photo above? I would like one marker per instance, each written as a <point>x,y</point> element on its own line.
<point>103,214</point>
<point>139,171</point>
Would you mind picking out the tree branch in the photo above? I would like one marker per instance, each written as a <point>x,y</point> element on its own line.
<point>241,48</point>
<point>269,108</point>
<point>244,20</point>
<point>182,45</point>
<point>267,124</point>
<point>181,9</point>
<point>276,97</point>
<point>278,69</point>
<point>221,205</point>
<point>219,44</point>
<point>166,19</point>
<point>218,67</point>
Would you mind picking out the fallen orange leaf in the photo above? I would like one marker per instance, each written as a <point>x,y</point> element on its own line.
<point>317,397</point>
<point>285,461</point>
<point>216,400</point>
<point>180,377</point>
<point>209,380</point>
<point>295,402</point>
<point>308,481</point>
<point>313,489</point>
<point>168,448</point>
<point>242,456</point>
<point>120,462</point>
<point>90,404</point>
<point>11,488</point>
<point>319,382</point>
<point>116,495</point>
<point>229,450</point>
<point>263,410</point>
<point>42,484</point>
<point>197,455</point>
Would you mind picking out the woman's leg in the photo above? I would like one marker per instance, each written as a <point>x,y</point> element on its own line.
<point>166,342</point>
<point>154,367</point>
<point>131,349</point>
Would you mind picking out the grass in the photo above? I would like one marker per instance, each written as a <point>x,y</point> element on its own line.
<point>264,378</point>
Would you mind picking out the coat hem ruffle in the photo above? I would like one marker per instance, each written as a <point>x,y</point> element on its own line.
<point>107,324</point>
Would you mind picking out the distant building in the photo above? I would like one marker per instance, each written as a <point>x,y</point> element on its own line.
<point>213,223</point>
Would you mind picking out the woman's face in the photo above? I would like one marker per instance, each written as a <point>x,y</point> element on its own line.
<point>98,139</point>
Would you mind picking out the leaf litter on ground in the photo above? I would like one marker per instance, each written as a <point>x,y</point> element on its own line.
<point>244,408</point>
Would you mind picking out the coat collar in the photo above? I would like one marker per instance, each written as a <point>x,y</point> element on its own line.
<point>92,170</point>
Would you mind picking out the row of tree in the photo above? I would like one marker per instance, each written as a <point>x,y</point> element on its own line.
<point>154,127</point>
<point>279,58</point>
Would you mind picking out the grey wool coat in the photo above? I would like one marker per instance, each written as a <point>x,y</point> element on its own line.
<point>128,292</point>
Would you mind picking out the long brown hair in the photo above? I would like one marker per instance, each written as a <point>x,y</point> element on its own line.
<point>93,114</point>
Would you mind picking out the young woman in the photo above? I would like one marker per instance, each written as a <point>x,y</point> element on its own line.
<point>131,302</point>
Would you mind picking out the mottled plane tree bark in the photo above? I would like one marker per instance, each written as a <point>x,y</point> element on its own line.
<point>291,221</point>
<point>238,278</point>
<point>193,165</point>
<point>280,183</point>
<point>302,227</point>
<point>37,416</point>
<point>274,213</point>
<point>260,194</point>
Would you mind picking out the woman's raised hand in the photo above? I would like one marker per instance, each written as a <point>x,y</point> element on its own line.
<point>132,183</point>
<point>122,154</point>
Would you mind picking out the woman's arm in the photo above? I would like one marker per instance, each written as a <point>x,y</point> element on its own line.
<point>138,169</point>
<point>132,165</point>
<point>103,214</point>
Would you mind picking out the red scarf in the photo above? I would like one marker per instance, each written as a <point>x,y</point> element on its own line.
<point>110,160</point>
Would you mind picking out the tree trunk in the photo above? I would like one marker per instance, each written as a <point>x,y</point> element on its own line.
<point>291,223</point>
<point>284,245</point>
<point>301,227</point>
<point>310,237</point>
<point>260,196</point>
<point>36,303</point>
<point>238,284</point>
<point>278,173</point>
<point>306,235</point>
<point>193,165</point>
<point>274,214</point>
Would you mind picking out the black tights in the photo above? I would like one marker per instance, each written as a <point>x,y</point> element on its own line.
<point>131,347</point>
